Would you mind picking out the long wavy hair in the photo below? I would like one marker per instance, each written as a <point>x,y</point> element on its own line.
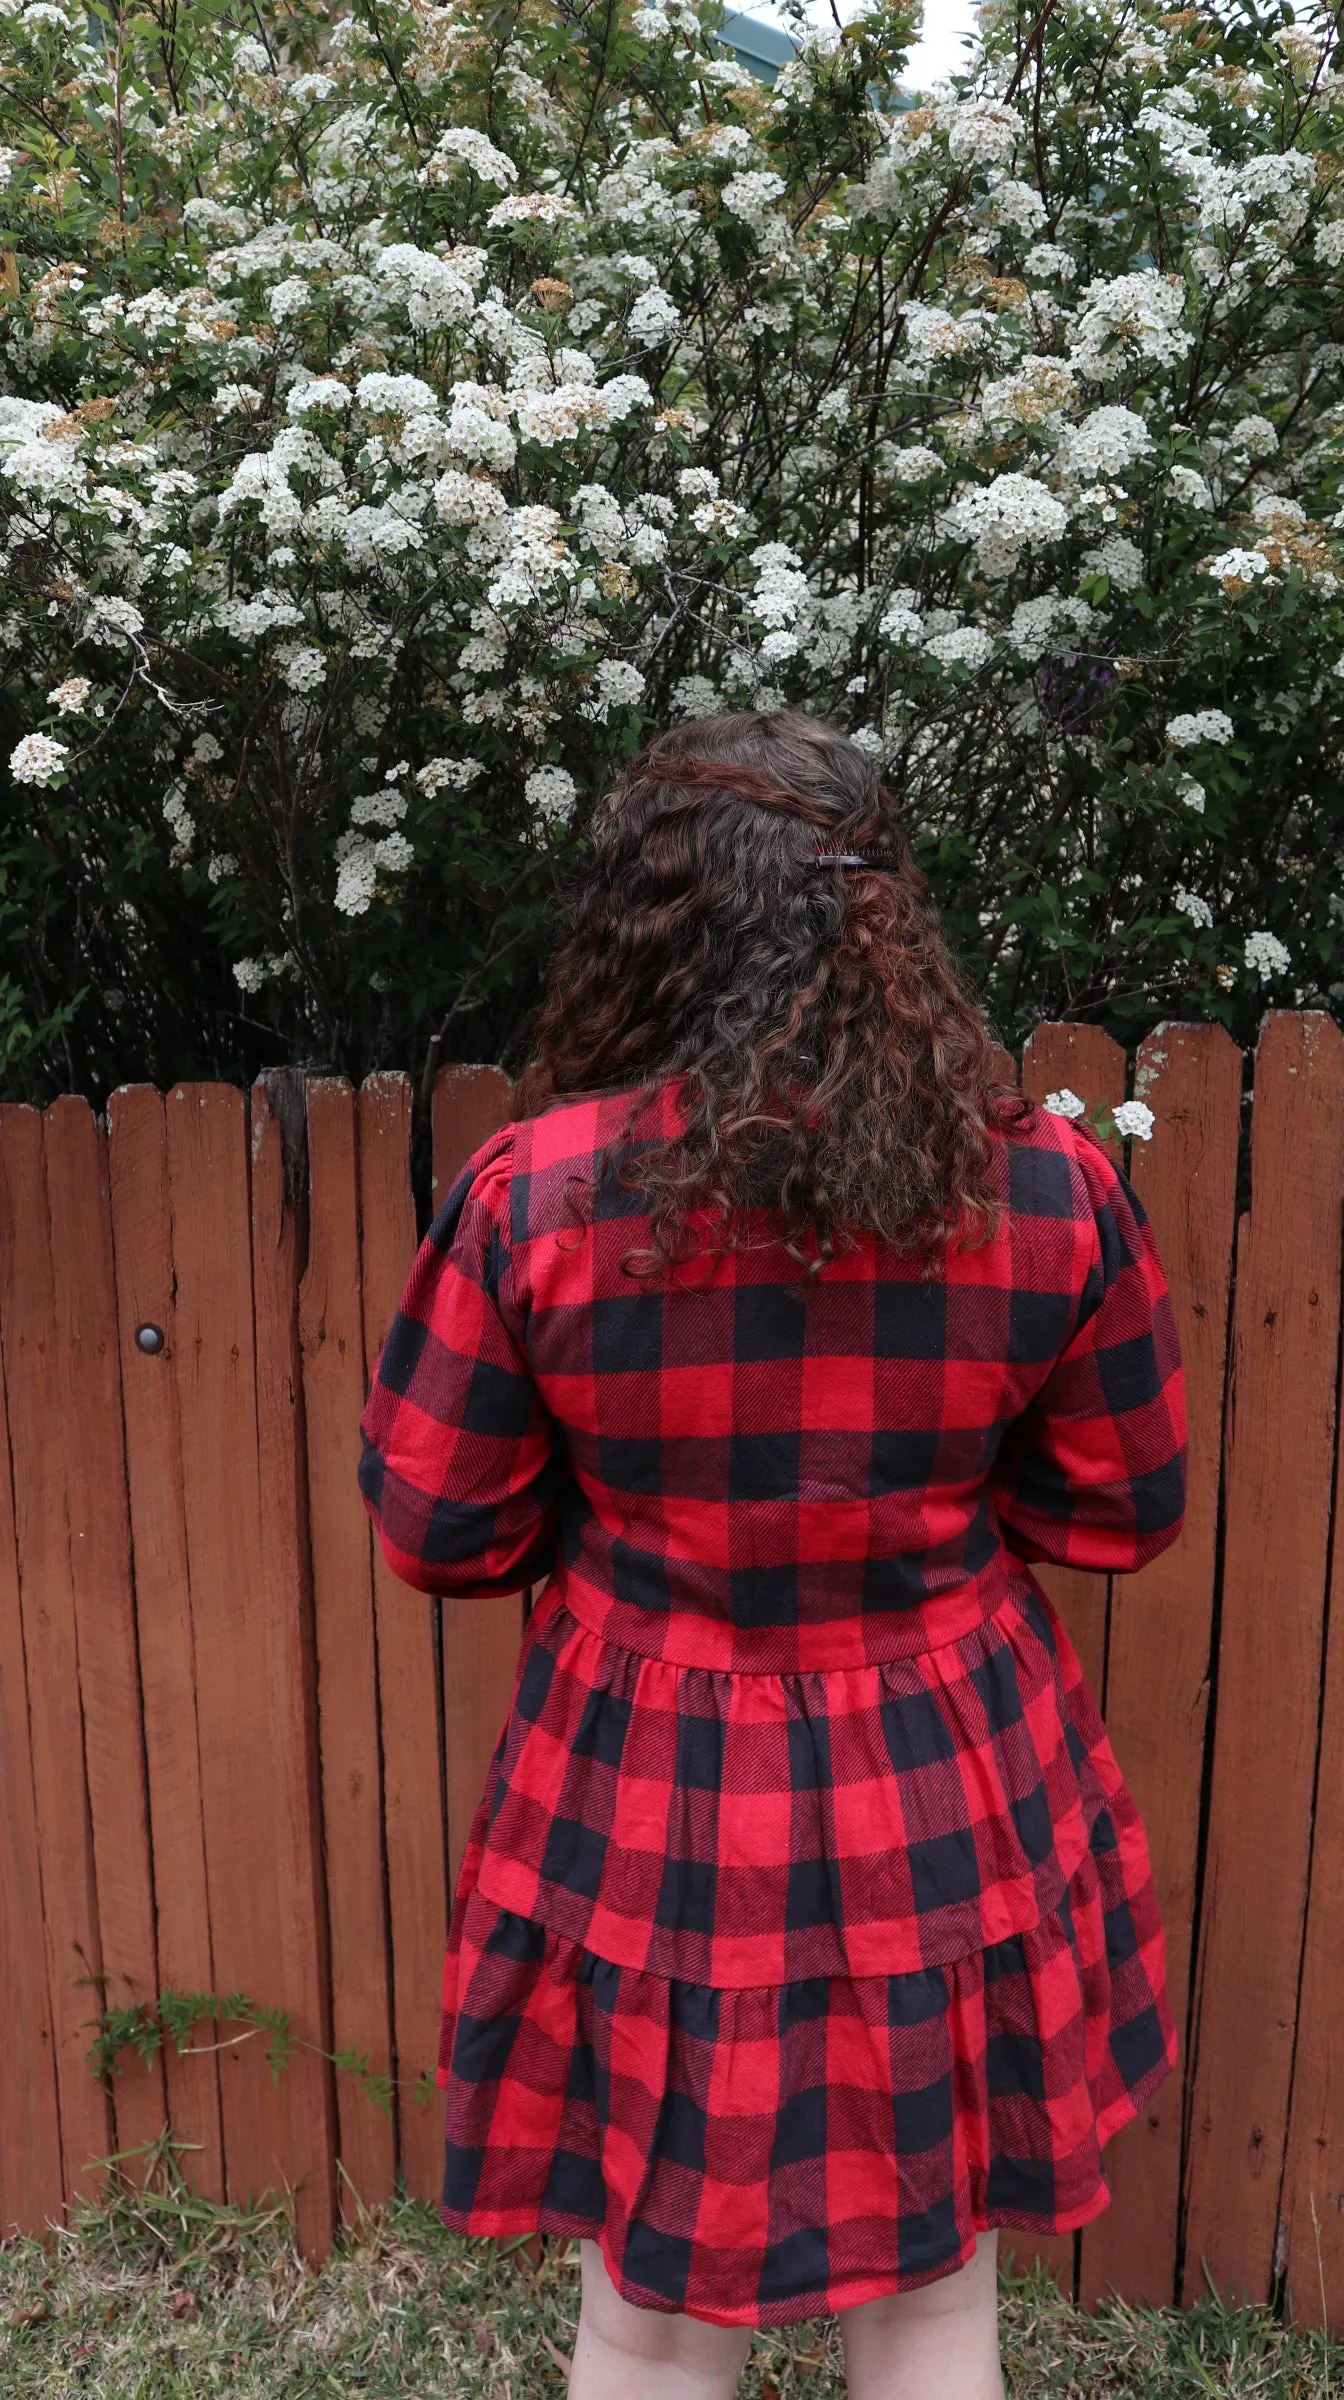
<point>753,923</point>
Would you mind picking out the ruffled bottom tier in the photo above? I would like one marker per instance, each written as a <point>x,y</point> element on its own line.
<point>761,2152</point>
<point>759,2156</point>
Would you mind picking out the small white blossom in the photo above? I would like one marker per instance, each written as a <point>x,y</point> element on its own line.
<point>616,684</point>
<point>1105,443</point>
<point>1004,516</point>
<point>70,698</point>
<point>1064,1104</point>
<point>915,463</point>
<point>1186,732</point>
<point>112,619</point>
<point>448,774</point>
<point>1189,486</point>
<point>1128,318</point>
<point>1278,513</point>
<point>1237,567</point>
<point>530,208</point>
<point>1267,956</point>
<point>1134,1120</point>
<point>1119,560</point>
<point>695,696</point>
<point>38,759</point>
<point>964,646</point>
<point>1191,794</point>
<point>653,317</point>
<point>781,588</point>
<point>393,854</point>
<point>288,299</point>
<point>305,668</point>
<point>305,400</point>
<point>552,792</point>
<point>378,808</point>
<point>1191,906</point>
<point>1254,434</point>
<point>179,818</point>
<point>752,196</point>
<point>462,143</point>
<point>356,879</point>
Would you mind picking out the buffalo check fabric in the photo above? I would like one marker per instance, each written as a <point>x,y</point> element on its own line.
<point>761,2155</point>
<point>801,1776</point>
<point>735,1474</point>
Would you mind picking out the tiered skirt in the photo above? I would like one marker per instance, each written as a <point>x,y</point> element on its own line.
<point>782,1988</point>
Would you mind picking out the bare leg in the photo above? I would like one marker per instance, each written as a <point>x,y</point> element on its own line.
<point>938,2343</point>
<point>626,2353</point>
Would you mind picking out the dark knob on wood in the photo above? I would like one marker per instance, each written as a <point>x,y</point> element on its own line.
<point>149,1338</point>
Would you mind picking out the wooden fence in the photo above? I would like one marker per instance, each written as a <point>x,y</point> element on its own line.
<point>236,1756</point>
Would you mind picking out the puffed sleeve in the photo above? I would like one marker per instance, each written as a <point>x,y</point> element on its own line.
<point>1093,1474</point>
<point>460,1471</point>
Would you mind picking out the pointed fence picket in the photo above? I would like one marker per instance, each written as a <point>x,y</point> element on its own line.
<point>236,1755</point>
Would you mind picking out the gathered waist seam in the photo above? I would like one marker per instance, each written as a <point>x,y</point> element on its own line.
<point>557,1596</point>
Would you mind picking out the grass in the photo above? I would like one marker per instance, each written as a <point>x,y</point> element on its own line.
<point>152,2296</point>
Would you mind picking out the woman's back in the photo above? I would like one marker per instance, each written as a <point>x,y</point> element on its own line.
<point>728,1470</point>
<point>805,1928</point>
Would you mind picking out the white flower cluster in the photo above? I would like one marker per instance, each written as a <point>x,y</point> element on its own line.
<point>1128,320</point>
<point>1003,517</point>
<point>38,759</point>
<point>551,792</point>
<point>514,420</point>
<point>1189,731</point>
<point>1267,956</point>
<point>1134,1120</point>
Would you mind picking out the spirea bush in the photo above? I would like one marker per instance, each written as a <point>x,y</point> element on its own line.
<point>405,406</point>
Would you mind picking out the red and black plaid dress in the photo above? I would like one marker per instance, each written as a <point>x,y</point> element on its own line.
<point>806,1926</point>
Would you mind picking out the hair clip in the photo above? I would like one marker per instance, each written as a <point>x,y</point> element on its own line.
<point>846,858</point>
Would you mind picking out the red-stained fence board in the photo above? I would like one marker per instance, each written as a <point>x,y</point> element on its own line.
<point>1081,1059</point>
<point>1084,1060</point>
<point>40,1435</point>
<point>1313,2195</point>
<point>88,1377</point>
<point>251,1838</point>
<point>31,2187</point>
<point>143,1248</point>
<point>481,1638</point>
<point>1279,1468</point>
<point>1158,1660</point>
<point>305,2098</point>
<point>331,1334</point>
<point>470,1103</point>
<point>407,1671</point>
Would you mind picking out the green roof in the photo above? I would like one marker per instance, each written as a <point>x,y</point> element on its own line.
<point>764,49</point>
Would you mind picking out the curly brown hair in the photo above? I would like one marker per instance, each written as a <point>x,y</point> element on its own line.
<point>754,923</point>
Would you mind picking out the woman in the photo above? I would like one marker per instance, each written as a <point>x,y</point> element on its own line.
<point>806,1932</point>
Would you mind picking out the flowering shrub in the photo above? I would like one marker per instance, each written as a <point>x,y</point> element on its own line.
<point>405,405</point>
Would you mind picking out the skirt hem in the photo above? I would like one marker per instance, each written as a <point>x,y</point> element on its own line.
<point>506,2224</point>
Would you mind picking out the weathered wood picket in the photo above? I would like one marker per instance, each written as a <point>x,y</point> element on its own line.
<point>236,1756</point>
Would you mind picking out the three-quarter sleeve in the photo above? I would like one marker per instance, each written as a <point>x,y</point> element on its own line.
<point>1093,1473</point>
<point>459,1471</point>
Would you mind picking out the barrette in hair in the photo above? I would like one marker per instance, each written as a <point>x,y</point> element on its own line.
<point>848,858</point>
